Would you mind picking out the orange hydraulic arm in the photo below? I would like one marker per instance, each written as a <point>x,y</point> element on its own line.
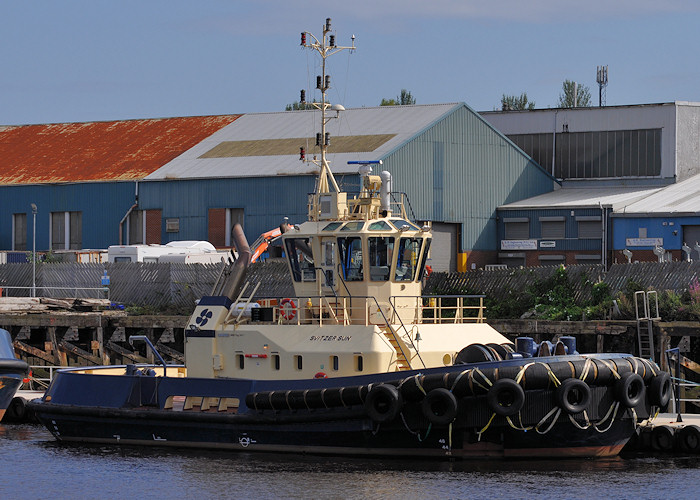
<point>264,240</point>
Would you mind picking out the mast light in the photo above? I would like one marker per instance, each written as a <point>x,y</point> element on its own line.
<point>303,38</point>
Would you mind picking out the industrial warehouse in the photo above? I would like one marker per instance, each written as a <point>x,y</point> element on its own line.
<point>520,188</point>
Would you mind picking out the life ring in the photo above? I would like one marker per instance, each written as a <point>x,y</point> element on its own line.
<point>439,406</point>
<point>662,438</point>
<point>505,397</point>
<point>573,395</point>
<point>288,309</point>
<point>383,403</point>
<point>689,438</point>
<point>630,390</point>
<point>660,390</point>
<point>320,375</point>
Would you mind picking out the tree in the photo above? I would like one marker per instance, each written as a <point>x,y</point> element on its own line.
<point>511,102</point>
<point>566,98</point>
<point>403,99</point>
<point>296,106</point>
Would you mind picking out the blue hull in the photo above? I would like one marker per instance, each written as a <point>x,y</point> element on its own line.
<point>345,416</point>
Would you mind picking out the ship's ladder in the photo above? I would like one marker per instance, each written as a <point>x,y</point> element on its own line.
<point>644,313</point>
<point>402,362</point>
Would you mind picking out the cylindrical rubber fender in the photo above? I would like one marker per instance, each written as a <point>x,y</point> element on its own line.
<point>660,390</point>
<point>630,390</point>
<point>505,397</point>
<point>602,373</point>
<point>689,438</point>
<point>499,351</point>
<point>474,353</point>
<point>573,395</point>
<point>410,388</point>
<point>662,438</point>
<point>439,406</point>
<point>383,403</point>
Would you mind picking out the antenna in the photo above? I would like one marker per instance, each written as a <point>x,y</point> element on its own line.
<point>325,46</point>
<point>602,79</point>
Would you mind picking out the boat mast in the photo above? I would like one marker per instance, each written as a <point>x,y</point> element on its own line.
<point>325,47</point>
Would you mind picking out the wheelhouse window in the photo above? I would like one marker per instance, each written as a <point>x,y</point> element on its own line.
<point>399,223</point>
<point>407,261</point>
<point>424,257</point>
<point>301,259</point>
<point>381,250</point>
<point>351,258</point>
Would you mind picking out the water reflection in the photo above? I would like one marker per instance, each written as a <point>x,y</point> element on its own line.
<point>82,471</point>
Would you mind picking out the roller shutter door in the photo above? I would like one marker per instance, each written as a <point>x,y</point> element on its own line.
<point>443,251</point>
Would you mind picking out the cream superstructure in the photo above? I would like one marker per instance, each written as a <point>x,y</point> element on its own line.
<point>357,265</point>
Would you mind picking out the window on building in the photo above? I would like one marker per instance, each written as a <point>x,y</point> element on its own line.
<point>66,230</point>
<point>601,154</point>
<point>517,228</point>
<point>589,227</point>
<point>19,231</point>
<point>551,260</point>
<point>553,228</point>
<point>136,223</point>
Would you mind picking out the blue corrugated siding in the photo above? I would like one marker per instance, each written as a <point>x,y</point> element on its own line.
<point>656,227</point>
<point>570,242</point>
<point>103,204</point>
<point>265,201</point>
<point>459,170</point>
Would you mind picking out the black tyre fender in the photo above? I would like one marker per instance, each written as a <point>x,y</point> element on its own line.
<point>383,403</point>
<point>660,390</point>
<point>662,438</point>
<point>439,406</point>
<point>573,395</point>
<point>630,390</point>
<point>16,410</point>
<point>689,438</point>
<point>505,397</point>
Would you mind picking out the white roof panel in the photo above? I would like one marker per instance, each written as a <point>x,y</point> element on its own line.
<point>681,198</point>
<point>616,198</point>
<point>401,121</point>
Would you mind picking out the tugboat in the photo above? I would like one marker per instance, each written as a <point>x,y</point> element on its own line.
<point>358,362</point>
<point>12,372</point>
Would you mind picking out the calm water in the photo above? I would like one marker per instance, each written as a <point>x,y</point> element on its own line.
<point>34,466</point>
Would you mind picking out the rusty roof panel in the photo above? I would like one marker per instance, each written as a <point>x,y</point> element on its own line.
<point>99,151</point>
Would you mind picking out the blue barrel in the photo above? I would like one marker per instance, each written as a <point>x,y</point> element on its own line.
<point>525,346</point>
<point>569,343</point>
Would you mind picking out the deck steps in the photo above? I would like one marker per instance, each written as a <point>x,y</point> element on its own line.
<point>401,362</point>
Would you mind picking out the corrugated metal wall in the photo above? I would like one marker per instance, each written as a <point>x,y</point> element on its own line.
<point>265,202</point>
<point>103,204</point>
<point>459,170</point>
<point>571,242</point>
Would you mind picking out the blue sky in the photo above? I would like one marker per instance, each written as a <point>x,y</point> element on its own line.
<point>72,60</point>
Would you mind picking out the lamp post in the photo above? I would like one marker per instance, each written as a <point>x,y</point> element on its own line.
<point>34,210</point>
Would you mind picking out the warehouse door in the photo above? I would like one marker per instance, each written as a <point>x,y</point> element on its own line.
<point>443,251</point>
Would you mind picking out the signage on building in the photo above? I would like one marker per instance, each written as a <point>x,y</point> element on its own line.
<point>644,242</point>
<point>548,244</point>
<point>518,244</point>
